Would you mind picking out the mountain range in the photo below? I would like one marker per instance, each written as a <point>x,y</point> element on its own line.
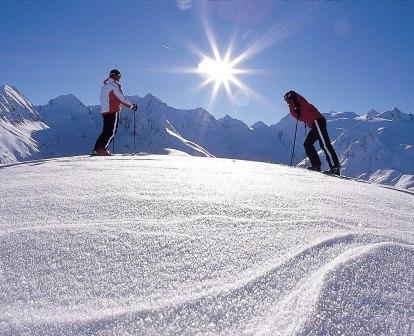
<point>377,146</point>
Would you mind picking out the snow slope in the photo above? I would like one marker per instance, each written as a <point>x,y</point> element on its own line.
<point>182,245</point>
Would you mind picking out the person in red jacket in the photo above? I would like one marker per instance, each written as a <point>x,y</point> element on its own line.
<point>112,99</point>
<point>301,110</point>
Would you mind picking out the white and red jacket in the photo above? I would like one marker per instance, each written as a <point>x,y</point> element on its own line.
<point>112,97</point>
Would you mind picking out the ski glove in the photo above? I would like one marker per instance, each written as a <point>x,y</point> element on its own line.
<point>134,107</point>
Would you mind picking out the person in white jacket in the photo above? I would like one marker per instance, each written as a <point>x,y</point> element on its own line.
<point>112,99</point>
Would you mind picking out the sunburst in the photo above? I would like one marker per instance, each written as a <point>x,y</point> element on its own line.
<point>220,71</point>
<point>224,70</point>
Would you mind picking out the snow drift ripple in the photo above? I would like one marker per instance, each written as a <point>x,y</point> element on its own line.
<point>338,294</point>
<point>368,276</point>
<point>292,296</point>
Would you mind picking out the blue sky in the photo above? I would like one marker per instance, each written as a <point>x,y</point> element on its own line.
<point>341,55</point>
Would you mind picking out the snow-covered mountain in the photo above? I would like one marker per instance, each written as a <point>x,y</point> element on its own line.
<point>72,127</point>
<point>158,127</point>
<point>166,245</point>
<point>19,120</point>
<point>376,146</point>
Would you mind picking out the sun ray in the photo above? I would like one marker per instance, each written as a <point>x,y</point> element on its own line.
<point>230,48</point>
<point>214,93</point>
<point>226,85</point>
<point>225,69</point>
<point>205,83</point>
<point>210,36</point>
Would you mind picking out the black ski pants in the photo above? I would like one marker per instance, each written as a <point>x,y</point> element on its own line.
<point>110,126</point>
<point>319,132</point>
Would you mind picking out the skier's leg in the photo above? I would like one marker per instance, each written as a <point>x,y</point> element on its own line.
<point>325,143</point>
<point>101,138</point>
<point>310,149</point>
<point>112,128</point>
<point>108,127</point>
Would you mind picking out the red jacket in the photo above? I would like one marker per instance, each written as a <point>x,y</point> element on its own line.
<point>308,112</point>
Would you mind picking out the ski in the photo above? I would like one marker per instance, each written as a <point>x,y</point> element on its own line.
<point>125,154</point>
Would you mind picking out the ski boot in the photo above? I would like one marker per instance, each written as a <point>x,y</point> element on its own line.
<point>333,171</point>
<point>314,168</point>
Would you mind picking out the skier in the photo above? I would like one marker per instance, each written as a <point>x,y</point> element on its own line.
<point>112,99</point>
<point>301,110</point>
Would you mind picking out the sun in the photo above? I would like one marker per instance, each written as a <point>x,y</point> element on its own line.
<point>223,68</point>
<point>217,71</point>
<point>221,72</point>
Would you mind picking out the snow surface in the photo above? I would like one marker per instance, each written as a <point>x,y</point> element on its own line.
<point>181,245</point>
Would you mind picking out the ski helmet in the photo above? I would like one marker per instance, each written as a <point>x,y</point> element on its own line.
<point>114,72</point>
<point>290,95</point>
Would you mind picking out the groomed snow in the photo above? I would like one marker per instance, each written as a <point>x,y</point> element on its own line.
<point>180,245</point>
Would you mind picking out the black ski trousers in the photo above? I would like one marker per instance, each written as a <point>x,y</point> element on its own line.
<point>319,132</point>
<point>110,125</point>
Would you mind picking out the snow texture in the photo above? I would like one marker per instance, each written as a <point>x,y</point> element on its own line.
<point>183,245</point>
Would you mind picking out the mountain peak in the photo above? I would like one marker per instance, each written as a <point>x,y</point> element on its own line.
<point>154,101</point>
<point>393,114</point>
<point>15,107</point>
<point>231,122</point>
<point>150,96</point>
<point>259,125</point>
<point>200,110</point>
<point>202,114</point>
<point>68,100</point>
<point>6,87</point>
<point>12,92</point>
<point>227,117</point>
<point>372,113</point>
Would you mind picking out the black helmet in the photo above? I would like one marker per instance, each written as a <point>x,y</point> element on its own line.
<point>114,72</point>
<point>290,95</point>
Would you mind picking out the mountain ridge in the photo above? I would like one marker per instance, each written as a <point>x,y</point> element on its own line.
<point>377,141</point>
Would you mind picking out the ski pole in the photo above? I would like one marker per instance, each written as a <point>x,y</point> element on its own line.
<point>294,142</point>
<point>134,131</point>
<point>135,124</point>
<point>145,111</point>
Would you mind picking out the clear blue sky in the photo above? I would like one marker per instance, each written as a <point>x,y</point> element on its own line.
<point>341,55</point>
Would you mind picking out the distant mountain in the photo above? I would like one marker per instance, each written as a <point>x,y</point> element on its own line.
<point>371,144</point>
<point>376,146</point>
<point>19,120</point>
<point>72,126</point>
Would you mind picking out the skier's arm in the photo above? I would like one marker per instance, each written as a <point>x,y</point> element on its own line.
<point>120,95</point>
